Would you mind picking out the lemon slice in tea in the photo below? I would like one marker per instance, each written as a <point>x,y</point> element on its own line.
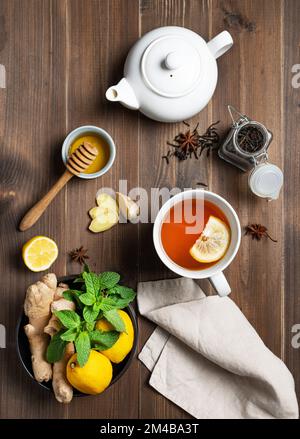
<point>39,253</point>
<point>213,242</point>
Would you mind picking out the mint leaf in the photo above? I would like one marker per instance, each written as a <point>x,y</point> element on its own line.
<point>92,283</point>
<point>114,318</point>
<point>69,335</point>
<point>83,346</point>
<point>89,314</point>
<point>68,295</point>
<point>78,280</point>
<point>121,296</point>
<point>90,326</point>
<point>68,318</point>
<point>97,306</point>
<point>107,304</point>
<point>108,279</point>
<point>87,299</point>
<point>119,303</point>
<point>125,292</point>
<point>86,268</point>
<point>73,295</point>
<point>55,348</point>
<point>107,339</point>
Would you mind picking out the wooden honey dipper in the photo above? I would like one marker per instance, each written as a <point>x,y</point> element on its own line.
<point>78,162</point>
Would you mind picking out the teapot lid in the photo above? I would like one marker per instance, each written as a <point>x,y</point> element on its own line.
<point>171,66</point>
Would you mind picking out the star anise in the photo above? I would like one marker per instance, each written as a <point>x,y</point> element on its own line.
<point>187,144</point>
<point>257,231</point>
<point>79,255</point>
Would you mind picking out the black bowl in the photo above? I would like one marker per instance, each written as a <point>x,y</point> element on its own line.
<point>25,355</point>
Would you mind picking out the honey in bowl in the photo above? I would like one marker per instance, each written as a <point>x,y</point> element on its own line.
<point>102,148</point>
<point>176,236</point>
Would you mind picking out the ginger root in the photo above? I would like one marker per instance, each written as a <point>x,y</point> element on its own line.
<point>39,297</point>
<point>59,290</point>
<point>63,390</point>
<point>59,304</point>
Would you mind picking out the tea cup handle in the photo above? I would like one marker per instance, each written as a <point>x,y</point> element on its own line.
<point>220,284</point>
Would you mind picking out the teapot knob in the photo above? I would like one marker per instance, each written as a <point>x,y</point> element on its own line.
<point>173,60</point>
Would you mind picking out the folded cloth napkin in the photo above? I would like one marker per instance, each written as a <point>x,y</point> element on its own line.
<point>207,358</point>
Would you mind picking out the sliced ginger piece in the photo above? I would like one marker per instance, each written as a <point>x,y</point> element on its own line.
<point>105,216</point>
<point>127,207</point>
<point>106,201</point>
<point>94,212</point>
<point>104,221</point>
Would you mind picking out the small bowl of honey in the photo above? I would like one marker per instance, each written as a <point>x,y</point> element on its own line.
<point>98,138</point>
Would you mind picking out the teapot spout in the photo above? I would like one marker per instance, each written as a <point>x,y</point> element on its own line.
<point>123,93</point>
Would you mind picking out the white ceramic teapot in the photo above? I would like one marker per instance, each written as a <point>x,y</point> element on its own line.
<point>170,73</point>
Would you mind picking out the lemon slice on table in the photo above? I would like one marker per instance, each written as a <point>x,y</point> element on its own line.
<point>213,242</point>
<point>39,253</point>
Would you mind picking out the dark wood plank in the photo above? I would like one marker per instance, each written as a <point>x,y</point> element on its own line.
<point>155,173</point>
<point>32,128</point>
<point>253,84</point>
<point>291,105</point>
<point>100,34</point>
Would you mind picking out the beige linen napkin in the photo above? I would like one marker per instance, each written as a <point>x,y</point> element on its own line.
<point>207,358</point>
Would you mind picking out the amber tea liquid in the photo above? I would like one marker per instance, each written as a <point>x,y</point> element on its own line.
<point>175,239</point>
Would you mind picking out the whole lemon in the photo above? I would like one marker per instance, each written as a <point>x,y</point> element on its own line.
<point>124,344</point>
<point>94,377</point>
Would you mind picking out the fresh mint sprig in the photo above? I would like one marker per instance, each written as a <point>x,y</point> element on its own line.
<point>97,296</point>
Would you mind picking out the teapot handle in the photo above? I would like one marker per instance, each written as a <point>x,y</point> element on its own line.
<point>220,44</point>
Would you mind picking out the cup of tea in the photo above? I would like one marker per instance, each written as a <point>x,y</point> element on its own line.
<point>197,234</point>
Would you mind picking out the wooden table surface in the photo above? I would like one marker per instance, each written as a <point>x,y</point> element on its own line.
<point>59,57</point>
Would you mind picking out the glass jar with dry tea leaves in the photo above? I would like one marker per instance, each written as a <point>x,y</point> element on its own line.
<point>246,147</point>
